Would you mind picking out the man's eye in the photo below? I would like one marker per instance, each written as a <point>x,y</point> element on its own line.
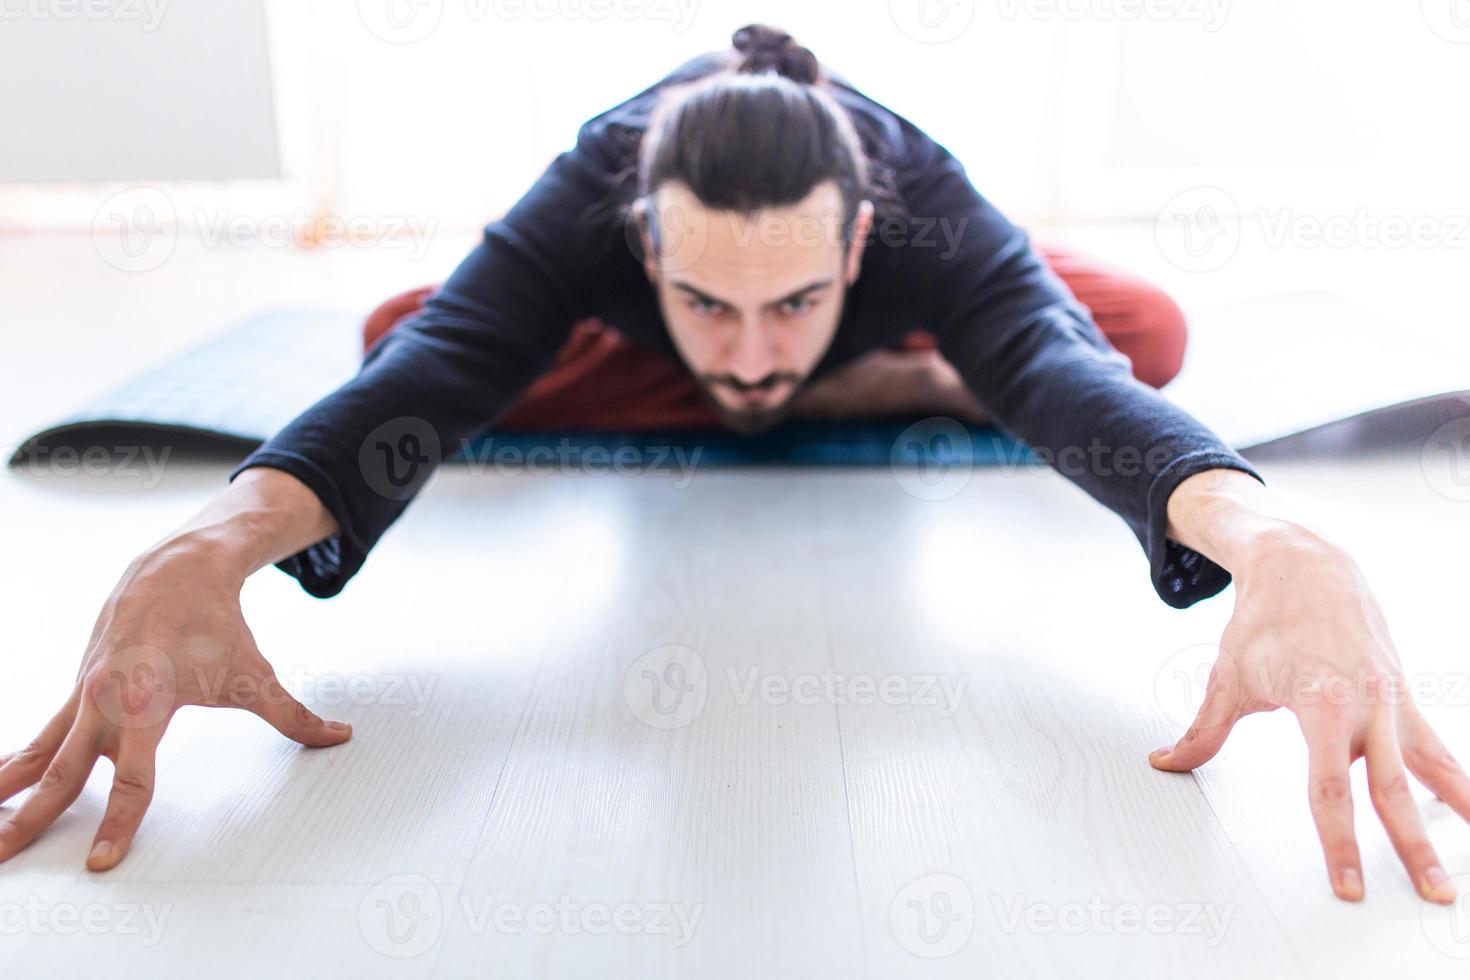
<point>796,307</point>
<point>707,308</point>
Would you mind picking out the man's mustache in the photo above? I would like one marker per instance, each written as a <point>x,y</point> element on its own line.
<point>768,383</point>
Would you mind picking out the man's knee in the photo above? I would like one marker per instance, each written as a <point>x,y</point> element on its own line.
<point>1154,337</point>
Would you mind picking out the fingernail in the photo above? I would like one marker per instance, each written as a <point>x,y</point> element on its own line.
<point>1160,753</point>
<point>1350,884</point>
<point>1437,886</point>
<point>339,726</point>
<point>100,850</point>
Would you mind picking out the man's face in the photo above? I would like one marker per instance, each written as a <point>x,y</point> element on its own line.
<point>752,301</point>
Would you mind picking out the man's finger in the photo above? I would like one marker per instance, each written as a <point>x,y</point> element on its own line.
<point>132,791</point>
<point>1331,797</point>
<point>1212,724</point>
<point>295,720</point>
<point>61,784</point>
<point>1432,764</point>
<point>1388,783</point>
<point>22,769</point>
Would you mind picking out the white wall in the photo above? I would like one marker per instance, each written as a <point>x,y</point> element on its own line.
<point>112,90</point>
<point>1062,109</point>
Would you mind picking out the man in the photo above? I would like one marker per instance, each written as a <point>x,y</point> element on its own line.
<point>784,233</point>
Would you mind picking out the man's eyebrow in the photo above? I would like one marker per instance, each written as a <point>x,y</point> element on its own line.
<point>715,300</point>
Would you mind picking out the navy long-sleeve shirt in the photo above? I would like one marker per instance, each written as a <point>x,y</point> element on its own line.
<point>1026,348</point>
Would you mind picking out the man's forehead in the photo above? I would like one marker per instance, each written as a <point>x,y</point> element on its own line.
<point>814,223</point>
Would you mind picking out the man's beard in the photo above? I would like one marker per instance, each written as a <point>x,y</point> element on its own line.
<point>757,419</point>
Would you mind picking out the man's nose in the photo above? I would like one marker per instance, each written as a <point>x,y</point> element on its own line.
<point>751,358</point>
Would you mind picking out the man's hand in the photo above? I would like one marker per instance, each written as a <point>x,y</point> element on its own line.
<point>1308,635</point>
<point>170,634</point>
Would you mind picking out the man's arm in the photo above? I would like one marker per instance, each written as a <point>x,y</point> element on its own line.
<point>1307,634</point>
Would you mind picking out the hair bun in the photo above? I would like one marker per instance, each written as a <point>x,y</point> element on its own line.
<point>770,49</point>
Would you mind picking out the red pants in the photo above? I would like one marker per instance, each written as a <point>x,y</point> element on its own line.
<point>601,381</point>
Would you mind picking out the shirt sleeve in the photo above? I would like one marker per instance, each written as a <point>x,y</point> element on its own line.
<point>1039,365</point>
<point>497,323</point>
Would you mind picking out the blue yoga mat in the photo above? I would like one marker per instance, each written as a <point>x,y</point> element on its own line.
<point>241,387</point>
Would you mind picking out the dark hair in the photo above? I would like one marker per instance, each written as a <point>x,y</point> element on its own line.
<point>760,133</point>
<point>769,49</point>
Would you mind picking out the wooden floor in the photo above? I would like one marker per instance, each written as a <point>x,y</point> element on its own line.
<point>890,709</point>
<point>756,723</point>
